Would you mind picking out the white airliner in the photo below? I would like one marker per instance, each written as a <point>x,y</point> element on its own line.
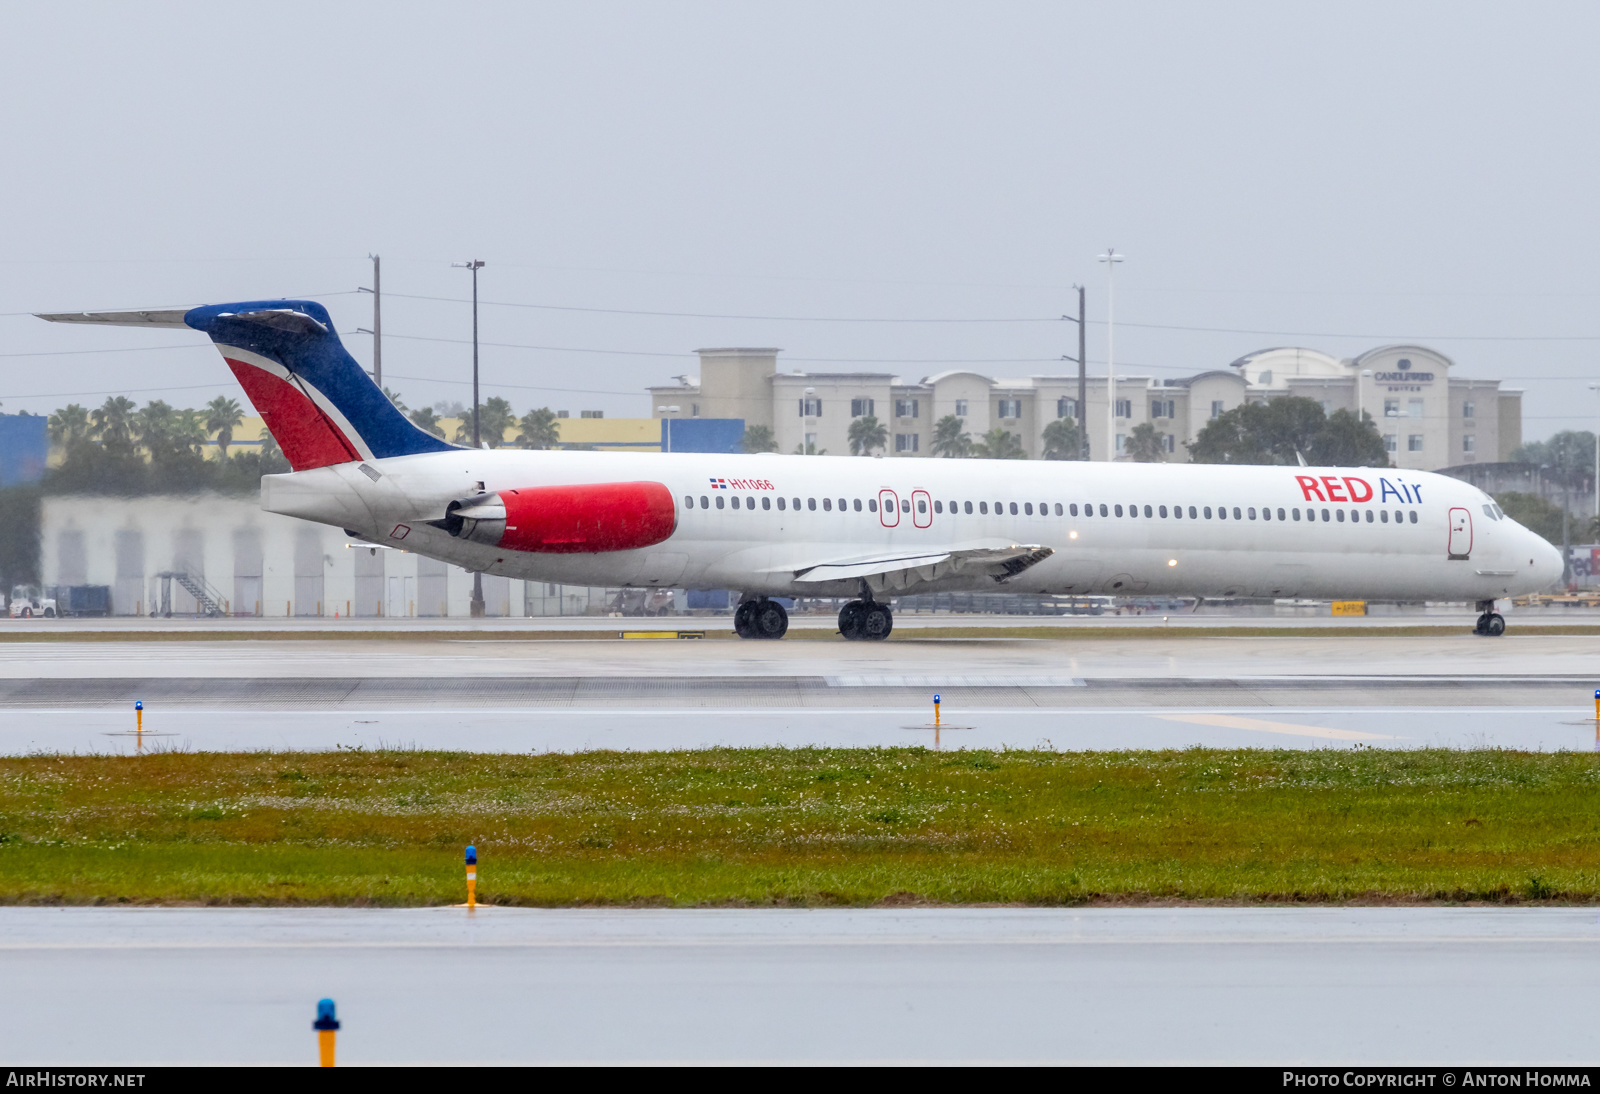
<point>772,526</point>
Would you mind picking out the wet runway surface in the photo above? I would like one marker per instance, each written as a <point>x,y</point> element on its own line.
<point>518,695</point>
<point>1193,985</point>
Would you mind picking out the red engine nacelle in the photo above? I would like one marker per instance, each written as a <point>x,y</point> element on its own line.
<point>607,516</point>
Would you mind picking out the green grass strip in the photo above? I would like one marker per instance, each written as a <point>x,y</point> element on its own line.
<point>802,827</point>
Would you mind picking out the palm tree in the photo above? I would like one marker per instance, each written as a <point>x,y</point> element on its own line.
<point>188,431</point>
<point>495,416</point>
<point>950,439</point>
<point>1144,445</point>
<point>222,414</point>
<point>154,425</point>
<point>70,427</point>
<point>270,452</point>
<point>394,397</point>
<point>867,433</point>
<point>758,438</point>
<point>1062,441</point>
<point>539,429</point>
<point>998,444</point>
<point>113,424</point>
<point>425,418</point>
<point>809,448</point>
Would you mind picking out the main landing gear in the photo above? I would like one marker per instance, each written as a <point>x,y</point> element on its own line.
<point>1491,624</point>
<point>865,619</point>
<point>761,618</point>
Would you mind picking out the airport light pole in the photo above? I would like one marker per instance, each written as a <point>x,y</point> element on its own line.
<point>1361,402</point>
<point>666,413</point>
<point>1111,258</point>
<point>1083,377</point>
<point>477,609</point>
<point>1596,387</point>
<point>377,320</point>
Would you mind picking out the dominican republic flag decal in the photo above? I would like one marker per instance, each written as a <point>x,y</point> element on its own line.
<point>719,484</point>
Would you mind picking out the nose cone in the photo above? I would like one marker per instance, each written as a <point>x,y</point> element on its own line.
<point>1547,565</point>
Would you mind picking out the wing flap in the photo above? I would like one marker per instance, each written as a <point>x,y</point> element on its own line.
<point>897,573</point>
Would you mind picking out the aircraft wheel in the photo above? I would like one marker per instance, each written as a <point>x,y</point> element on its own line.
<point>876,622</point>
<point>851,618</point>
<point>744,619</point>
<point>1495,625</point>
<point>770,620</point>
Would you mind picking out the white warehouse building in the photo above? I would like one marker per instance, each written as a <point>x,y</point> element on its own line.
<point>252,562</point>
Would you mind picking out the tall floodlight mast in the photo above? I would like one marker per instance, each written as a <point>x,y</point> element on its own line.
<point>1111,258</point>
<point>476,264</point>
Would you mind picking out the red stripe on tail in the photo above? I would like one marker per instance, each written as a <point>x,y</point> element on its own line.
<point>304,433</point>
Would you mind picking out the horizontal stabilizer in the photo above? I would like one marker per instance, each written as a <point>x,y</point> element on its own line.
<point>121,318</point>
<point>897,573</point>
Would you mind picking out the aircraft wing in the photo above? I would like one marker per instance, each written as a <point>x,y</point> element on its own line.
<point>896,573</point>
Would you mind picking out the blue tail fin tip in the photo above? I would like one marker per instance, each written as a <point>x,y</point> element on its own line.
<point>300,336</point>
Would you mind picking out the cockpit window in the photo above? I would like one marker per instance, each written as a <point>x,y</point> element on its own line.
<point>1488,511</point>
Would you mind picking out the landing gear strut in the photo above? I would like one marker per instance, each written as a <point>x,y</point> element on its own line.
<point>865,619</point>
<point>1491,624</point>
<point>760,618</point>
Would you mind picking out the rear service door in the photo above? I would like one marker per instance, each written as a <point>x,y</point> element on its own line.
<point>1460,533</point>
<point>888,508</point>
<point>921,508</point>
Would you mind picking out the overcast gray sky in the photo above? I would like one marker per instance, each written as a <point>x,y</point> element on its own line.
<point>1346,174</point>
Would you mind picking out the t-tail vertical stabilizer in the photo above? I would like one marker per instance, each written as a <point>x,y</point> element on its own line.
<point>319,404</point>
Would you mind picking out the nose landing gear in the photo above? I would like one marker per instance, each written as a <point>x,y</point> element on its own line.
<point>865,619</point>
<point>761,618</point>
<point>1491,624</point>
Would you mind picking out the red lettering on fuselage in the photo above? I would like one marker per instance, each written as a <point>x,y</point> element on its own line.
<point>1356,495</point>
<point>1335,491</point>
<point>1310,487</point>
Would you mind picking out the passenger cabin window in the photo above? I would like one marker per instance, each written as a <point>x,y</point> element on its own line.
<point>811,504</point>
<point>766,502</point>
<point>827,505</point>
<point>966,507</point>
<point>780,503</point>
<point>983,507</point>
<point>720,502</point>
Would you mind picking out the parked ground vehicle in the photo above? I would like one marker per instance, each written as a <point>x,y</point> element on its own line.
<point>27,601</point>
<point>80,599</point>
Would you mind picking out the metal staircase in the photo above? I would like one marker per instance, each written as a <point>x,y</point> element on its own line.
<point>208,601</point>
